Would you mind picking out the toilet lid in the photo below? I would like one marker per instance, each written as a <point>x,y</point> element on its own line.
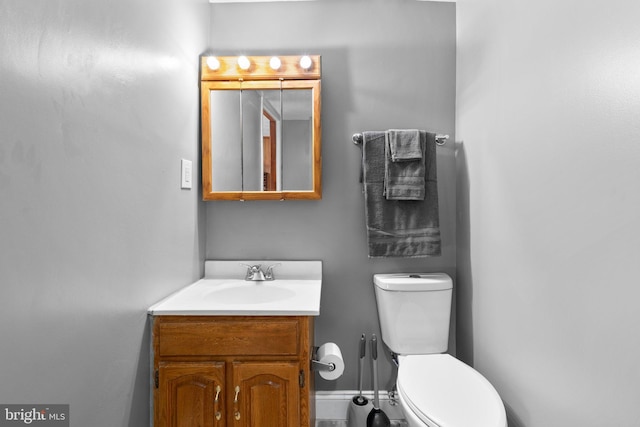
<point>442,391</point>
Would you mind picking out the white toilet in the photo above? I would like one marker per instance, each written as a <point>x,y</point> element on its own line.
<point>434,389</point>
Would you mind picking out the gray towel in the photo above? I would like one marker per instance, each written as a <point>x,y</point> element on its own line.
<point>399,228</point>
<point>405,176</point>
<point>404,145</point>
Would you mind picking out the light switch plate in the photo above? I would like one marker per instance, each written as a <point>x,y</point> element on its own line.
<point>187,174</point>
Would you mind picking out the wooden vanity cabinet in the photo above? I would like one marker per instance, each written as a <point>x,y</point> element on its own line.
<point>232,371</point>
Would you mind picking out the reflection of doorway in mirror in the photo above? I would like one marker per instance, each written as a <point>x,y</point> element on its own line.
<point>268,152</point>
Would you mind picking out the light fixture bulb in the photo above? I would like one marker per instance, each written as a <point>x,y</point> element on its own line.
<point>244,63</point>
<point>213,63</point>
<point>305,62</point>
<point>275,63</point>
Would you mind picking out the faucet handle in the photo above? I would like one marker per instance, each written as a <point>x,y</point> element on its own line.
<point>268,275</point>
<point>252,270</point>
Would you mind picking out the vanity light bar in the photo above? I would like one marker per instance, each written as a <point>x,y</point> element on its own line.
<point>288,67</point>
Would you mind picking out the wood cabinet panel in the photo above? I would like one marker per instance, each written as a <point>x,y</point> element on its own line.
<point>229,337</point>
<point>269,394</point>
<point>190,394</point>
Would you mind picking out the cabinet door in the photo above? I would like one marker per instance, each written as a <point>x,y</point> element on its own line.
<point>190,394</point>
<point>266,394</point>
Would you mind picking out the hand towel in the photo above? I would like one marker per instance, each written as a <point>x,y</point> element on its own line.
<point>405,180</point>
<point>404,144</point>
<point>399,228</point>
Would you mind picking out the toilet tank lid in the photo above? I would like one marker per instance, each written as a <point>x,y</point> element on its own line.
<point>413,281</point>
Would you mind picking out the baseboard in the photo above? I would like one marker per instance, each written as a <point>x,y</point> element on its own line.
<point>334,405</point>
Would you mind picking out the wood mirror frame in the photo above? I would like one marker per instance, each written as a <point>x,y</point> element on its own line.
<point>227,75</point>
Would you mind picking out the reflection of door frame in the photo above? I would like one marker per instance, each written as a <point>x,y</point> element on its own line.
<point>269,155</point>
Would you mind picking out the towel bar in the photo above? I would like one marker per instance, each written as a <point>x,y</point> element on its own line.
<point>440,139</point>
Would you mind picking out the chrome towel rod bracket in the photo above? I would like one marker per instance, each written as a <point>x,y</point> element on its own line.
<point>440,139</point>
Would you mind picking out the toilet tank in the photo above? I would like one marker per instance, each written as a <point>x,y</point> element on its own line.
<point>414,311</point>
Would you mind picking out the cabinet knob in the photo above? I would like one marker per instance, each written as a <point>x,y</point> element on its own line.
<point>237,390</point>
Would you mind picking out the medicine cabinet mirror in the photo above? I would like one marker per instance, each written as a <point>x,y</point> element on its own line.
<point>261,137</point>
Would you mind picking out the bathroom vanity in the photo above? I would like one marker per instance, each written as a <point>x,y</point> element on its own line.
<point>232,352</point>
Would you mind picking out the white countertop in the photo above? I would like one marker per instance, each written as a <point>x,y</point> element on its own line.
<point>223,291</point>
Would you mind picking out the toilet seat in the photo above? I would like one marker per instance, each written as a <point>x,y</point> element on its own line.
<point>444,392</point>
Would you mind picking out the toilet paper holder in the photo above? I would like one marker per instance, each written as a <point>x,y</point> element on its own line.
<point>317,365</point>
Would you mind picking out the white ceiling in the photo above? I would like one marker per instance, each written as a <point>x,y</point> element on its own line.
<point>261,1</point>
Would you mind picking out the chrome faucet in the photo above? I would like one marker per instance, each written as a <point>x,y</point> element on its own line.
<point>255,273</point>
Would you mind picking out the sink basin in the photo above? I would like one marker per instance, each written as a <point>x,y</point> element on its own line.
<point>252,292</point>
<point>296,291</point>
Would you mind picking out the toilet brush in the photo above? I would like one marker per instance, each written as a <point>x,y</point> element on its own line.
<point>377,417</point>
<point>359,405</point>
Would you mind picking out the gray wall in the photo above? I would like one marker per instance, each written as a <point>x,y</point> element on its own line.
<point>99,103</point>
<point>385,64</point>
<point>547,118</point>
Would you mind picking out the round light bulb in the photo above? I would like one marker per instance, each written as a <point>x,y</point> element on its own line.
<point>213,63</point>
<point>275,63</point>
<point>305,62</point>
<point>244,63</point>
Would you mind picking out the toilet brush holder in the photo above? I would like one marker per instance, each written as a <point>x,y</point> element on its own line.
<point>359,410</point>
<point>360,406</point>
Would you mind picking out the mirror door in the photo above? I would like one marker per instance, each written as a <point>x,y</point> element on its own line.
<point>261,140</point>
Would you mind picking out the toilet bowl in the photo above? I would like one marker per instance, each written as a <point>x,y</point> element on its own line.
<point>434,388</point>
<point>438,390</point>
